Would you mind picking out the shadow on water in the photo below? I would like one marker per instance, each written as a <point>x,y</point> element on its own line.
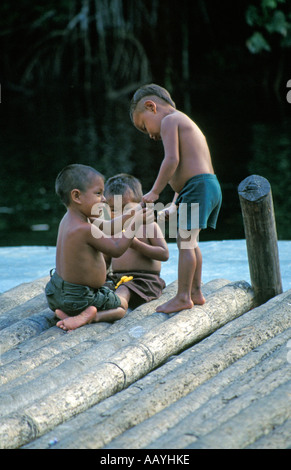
<point>43,133</point>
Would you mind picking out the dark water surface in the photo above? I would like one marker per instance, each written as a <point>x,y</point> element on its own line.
<point>42,133</point>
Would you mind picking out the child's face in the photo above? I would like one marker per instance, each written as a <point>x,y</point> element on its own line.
<point>125,202</point>
<point>93,196</point>
<point>148,121</point>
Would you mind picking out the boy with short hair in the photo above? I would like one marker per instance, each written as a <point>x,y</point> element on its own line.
<point>187,167</point>
<point>76,290</point>
<point>140,265</point>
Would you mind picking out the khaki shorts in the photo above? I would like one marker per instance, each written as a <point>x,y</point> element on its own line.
<point>74,298</point>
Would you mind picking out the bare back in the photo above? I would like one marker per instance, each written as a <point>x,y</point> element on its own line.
<point>77,261</point>
<point>193,152</point>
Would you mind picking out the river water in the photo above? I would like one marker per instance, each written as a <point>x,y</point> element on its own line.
<point>221,259</point>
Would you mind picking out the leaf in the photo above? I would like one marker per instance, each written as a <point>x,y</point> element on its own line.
<point>257,43</point>
<point>278,24</point>
<point>286,41</point>
<point>252,16</point>
<point>272,4</point>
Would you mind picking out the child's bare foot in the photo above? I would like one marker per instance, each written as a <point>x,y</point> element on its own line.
<point>60,314</point>
<point>197,297</point>
<point>175,305</point>
<point>71,323</point>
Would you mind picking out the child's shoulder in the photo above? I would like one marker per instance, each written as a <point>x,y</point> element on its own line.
<point>175,118</point>
<point>74,227</point>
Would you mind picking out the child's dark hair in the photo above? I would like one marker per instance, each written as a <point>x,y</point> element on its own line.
<point>120,183</point>
<point>149,90</point>
<point>75,176</point>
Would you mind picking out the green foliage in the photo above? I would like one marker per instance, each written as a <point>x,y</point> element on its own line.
<point>117,45</point>
<point>268,19</point>
<point>257,43</point>
<point>83,41</point>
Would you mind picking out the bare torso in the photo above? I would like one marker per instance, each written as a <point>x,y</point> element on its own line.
<point>133,260</point>
<point>76,260</point>
<point>194,154</point>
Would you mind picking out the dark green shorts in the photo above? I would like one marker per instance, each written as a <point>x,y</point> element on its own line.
<point>203,192</point>
<point>74,298</point>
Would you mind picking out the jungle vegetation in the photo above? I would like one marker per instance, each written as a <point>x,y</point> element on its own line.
<point>69,67</point>
<point>117,45</point>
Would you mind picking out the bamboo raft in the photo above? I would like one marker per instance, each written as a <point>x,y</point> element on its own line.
<point>216,376</point>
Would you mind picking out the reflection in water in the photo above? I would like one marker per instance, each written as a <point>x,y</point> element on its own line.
<point>42,134</point>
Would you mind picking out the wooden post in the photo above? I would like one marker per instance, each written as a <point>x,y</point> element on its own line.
<point>261,237</point>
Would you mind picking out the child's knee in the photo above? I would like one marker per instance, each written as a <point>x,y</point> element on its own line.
<point>188,239</point>
<point>120,313</point>
<point>123,303</point>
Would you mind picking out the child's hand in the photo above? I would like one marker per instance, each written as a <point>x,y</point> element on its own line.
<point>142,216</point>
<point>145,215</point>
<point>150,197</point>
<point>166,213</point>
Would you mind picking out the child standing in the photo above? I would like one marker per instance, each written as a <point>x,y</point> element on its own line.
<point>140,265</point>
<point>76,290</point>
<point>187,167</point>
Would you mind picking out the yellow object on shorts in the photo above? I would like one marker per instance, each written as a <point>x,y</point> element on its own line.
<point>123,279</point>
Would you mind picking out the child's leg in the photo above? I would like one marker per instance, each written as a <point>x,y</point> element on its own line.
<point>186,273</point>
<point>124,294</point>
<point>115,313</point>
<point>191,242</point>
<point>196,293</point>
<point>91,314</point>
<point>72,323</point>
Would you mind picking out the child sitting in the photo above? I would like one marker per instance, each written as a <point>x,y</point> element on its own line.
<point>140,265</point>
<point>76,290</point>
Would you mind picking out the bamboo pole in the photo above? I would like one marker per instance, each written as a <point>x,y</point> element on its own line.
<point>24,310</point>
<point>108,406</point>
<point>278,438</point>
<point>24,329</point>
<point>16,354</point>
<point>60,368</point>
<point>243,429</point>
<point>113,417</point>
<point>66,346</point>
<point>126,366</point>
<point>188,377</point>
<point>251,377</point>
<point>261,237</point>
<point>20,294</point>
<point>176,425</point>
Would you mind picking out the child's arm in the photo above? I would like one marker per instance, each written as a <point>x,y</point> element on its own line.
<point>115,246</point>
<point>165,213</point>
<point>112,226</point>
<point>157,249</point>
<point>170,138</point>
